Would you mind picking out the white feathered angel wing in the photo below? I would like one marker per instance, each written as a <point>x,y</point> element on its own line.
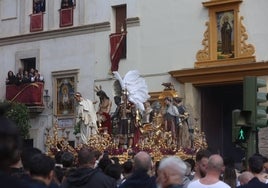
<point>119,78</point>
<point>137,88</point>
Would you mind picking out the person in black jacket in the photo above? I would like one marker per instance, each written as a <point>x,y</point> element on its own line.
<point>255,165</point>
<point>41,169</point>
<point>140,178</point>
<point>85,175</point>
<point>10,144</point>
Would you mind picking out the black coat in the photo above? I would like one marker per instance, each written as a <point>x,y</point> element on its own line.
<point>254,183</point>
<point>88,177</point>
<point>175,186</point>
<point>139,179</point>
<point>7,181</point>
<point>36,184</point>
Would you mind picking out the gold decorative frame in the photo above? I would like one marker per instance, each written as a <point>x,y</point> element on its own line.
<point>211,55</point>
<point>64,86</point>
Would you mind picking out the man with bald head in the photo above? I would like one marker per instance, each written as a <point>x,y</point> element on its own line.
<point>140,178</point>
<point>201,164</point>
<point>215,167</point>
<point>245,177</point>
<point>255,166</point>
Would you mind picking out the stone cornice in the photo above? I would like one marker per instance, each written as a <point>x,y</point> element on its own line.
<point>51,34</point>
<point>220,75</point>
<point>64,32</point>
<point>134,21</point>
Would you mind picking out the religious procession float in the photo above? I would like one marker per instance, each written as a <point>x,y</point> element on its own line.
<point>138,123</point>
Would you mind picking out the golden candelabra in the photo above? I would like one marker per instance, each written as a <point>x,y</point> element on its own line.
<point>55,143</point>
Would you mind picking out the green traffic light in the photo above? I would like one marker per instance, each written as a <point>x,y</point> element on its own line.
<point>241,135</point>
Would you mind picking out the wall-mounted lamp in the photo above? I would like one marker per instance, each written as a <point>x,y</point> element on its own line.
<point>47,99</point>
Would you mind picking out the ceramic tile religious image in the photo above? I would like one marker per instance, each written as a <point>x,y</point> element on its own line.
<point>65,100</point>
<point>225,34</point>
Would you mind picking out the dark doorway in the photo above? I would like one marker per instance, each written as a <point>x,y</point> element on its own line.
<point>217,105</point>
<point>29,63</point>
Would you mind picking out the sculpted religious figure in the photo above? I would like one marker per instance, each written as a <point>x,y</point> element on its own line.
<point>103,113</point>
<point>87,118</point>
<point>226,36</point>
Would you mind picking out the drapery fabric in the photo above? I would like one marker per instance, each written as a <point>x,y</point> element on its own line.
<point>117,43</point>
<point>29,93</point>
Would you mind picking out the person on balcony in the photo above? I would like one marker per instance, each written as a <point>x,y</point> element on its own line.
<point>25,78</point>
<point>37,77</point>
<point>19,76</point>
<point>31,73</point>
<point>11,78</point>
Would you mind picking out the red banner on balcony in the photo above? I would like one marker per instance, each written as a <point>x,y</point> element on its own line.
<point>30,94</point>
<point>36,22</point>
<point>66,17</point>
<point>117,42</point>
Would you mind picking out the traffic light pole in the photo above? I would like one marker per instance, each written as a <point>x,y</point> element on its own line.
<point>254,101</point>
<point>246,122</point>
<point>252,147</point>
<point>257,140</point>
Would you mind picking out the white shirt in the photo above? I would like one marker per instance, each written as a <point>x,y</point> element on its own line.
<point>197,184</point>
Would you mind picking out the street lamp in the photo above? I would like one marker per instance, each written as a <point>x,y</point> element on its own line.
<point>47,99</point>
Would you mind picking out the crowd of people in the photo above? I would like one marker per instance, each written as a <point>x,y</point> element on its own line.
<point>24,76</point>
<point>31,168</point>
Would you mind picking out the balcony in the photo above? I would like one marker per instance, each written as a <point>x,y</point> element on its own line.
<point>30,94</point>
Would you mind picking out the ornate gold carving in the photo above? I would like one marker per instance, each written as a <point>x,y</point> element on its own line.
<point>154,139</point>
<point>212,55</point>
<point>246,49</point>
<point>203,55</point>
<point>212,3</point>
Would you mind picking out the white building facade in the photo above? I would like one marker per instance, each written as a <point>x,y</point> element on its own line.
<point>162,36</point>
